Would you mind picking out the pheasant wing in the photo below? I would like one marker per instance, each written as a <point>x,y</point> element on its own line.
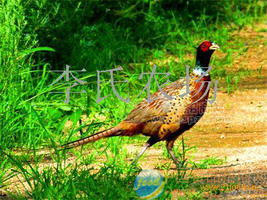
<point>159,107</point>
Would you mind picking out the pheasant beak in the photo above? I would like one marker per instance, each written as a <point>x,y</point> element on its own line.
<point>214,46</point>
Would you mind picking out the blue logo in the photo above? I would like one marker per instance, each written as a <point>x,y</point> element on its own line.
<point>148,184</point>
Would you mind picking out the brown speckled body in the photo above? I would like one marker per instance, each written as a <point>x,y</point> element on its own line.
<point>166,119</point>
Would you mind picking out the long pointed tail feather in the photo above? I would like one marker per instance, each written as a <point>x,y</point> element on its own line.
<point>92,138</point>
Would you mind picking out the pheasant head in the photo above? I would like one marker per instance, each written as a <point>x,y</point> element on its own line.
<point>204,52</point>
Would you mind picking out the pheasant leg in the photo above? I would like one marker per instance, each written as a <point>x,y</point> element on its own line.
<point>169,147</point>
<point>148,144</point>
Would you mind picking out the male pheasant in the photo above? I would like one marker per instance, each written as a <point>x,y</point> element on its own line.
<point>164,119</point>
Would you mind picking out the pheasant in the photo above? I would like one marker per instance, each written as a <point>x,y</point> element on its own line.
<point>164,119</point>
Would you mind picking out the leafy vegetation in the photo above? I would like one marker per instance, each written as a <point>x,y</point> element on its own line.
<point>39,36</point>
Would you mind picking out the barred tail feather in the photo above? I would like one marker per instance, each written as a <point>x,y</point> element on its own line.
<point>92,138</point>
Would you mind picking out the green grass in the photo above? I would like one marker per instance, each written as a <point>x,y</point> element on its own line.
<point>208,162</point>
<point>39,36</point>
